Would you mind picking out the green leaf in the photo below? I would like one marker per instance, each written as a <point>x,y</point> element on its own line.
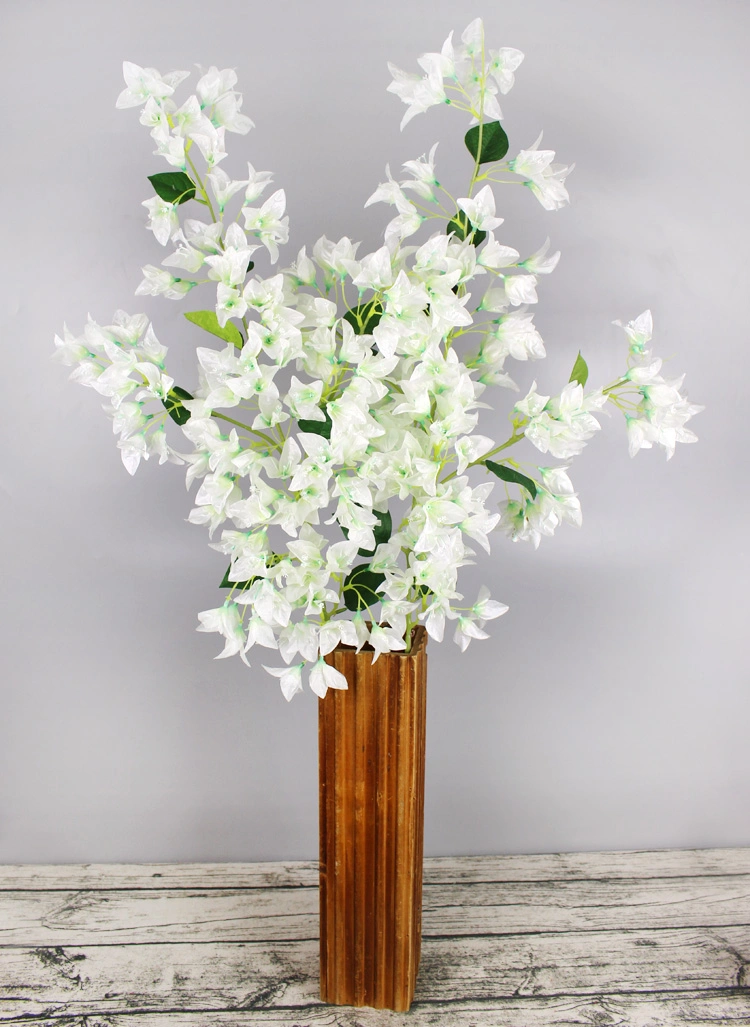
<point>361,587</point>
<point>494,142</point>
<point>209,322</point>
<point>173,186</point>
<point>384,528</point>
<point>382,531</point>
<point>173,404</point>
<point>365,317</point>
<point>461,227</point>
<point>317,427</point>
<point>250,266</point>
<point>508,474</point>
<point>580,372</point>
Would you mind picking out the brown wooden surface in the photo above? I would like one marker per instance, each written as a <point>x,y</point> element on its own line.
<point>371,759</point>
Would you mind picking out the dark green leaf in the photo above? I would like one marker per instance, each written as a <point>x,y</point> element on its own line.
<point>423,590</point>
<point>173,186</point>
<point>580,372</point>
<point>317,427</point>
<point>173,404</point>
<point>461,227</point>
<point>364,317</point>
<point>494,142</point>
<point>508,474</point>
<point>250,266</point>
<point>384,528</point>
<point>361,587</point>
<point>382,531</point>
<point>209,322</point>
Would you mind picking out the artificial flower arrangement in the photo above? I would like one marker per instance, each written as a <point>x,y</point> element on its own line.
<point>333,425</point>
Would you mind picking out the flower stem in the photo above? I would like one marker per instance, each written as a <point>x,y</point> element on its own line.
<point>253,431</point>
<point>202,187</point>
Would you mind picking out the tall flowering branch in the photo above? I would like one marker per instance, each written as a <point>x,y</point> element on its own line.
<point>332,429</point>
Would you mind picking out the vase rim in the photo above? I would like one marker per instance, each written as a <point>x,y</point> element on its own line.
<point>419,644</point>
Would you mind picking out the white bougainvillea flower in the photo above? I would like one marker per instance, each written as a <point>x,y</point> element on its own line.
<point>335,257</point>
<point>387,192</point>
<point>158,282</point>
<point>223,187</point>
<point>480,209</point>
<point>145,83</point>
<point>517,337</point>
<point>290,679</point>
<point>227,622</point>
<point>544,179</point>
<point>268,224</point>
<point>172,149</point>
<point>520,289</point>
<point>485,609</point>
<point>204,237</point>
<point>539,263</point>
<point>564,423</point>
<point>470,449</point>
<point>229,303</point>
<point>260,633</point>
<point>472,39</point>
<point>502,65</point>
<point>375,271</point>
<point>419,92</point>
<point>211,145</point>
<point>406,223</point>
<point>385,640</point>
<point>434,617</point>
<point>213,84</point>
<point>423,181</point>
<point>303,269</point>
<point>532,163</point>
<point>162,218</point>
<point>257,183</point>
<point>549,188</point>
<point>666,410</point>
<point>323,677</point>
<point>189,120</point>
<point>493,254</point>
<point>638,331</point>
<point>185,256</point>
<point>70,349</point>
<point>155,115</point>
<point>640,434</point>
<point>467,629</point>
<point>303,399</point>
<point>230,267</point>
<point>226,114</point>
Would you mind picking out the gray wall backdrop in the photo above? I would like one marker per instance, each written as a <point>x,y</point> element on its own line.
<point>610,708</point>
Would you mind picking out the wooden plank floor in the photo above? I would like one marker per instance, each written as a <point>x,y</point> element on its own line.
<point>629,939</point>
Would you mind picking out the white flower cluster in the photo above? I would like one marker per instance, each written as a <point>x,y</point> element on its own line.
<point>332,432</point>
<point>125,363</point>
<point>660,411</point>
<point>469,77</point>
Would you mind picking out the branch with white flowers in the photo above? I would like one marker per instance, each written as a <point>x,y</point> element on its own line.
<point>332,426</point>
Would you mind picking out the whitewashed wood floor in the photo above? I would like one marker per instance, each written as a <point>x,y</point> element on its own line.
<point>643,939</point>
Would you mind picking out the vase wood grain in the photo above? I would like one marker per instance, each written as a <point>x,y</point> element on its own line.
<point>371,752</point>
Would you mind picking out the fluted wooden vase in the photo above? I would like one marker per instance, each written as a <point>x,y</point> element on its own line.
<point>371,751</point>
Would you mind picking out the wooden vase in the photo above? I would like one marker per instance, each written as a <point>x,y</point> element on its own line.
<point>371,753</point>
